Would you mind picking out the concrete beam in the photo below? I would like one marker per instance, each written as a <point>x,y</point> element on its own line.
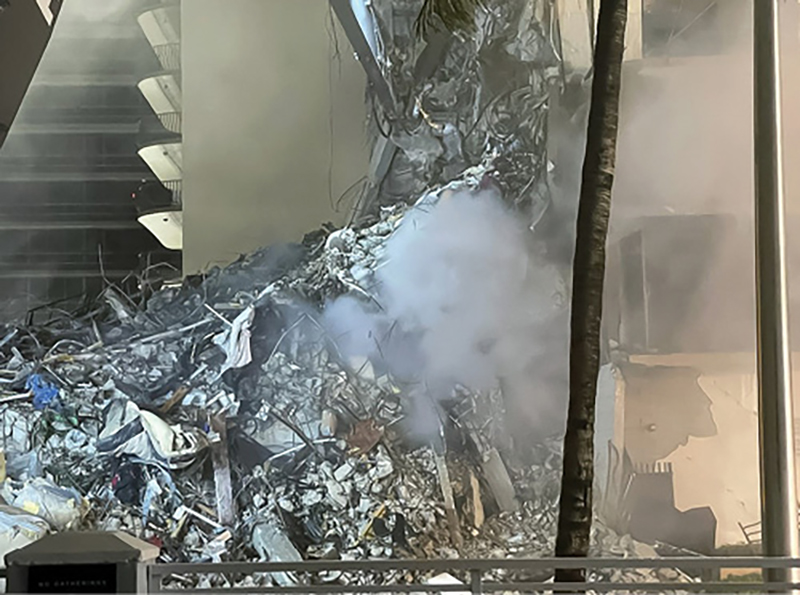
<point>355,25</point>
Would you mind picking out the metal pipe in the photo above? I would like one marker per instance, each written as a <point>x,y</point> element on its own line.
<point>776,431</point>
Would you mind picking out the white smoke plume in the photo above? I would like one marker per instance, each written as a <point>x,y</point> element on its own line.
<point>463,300</point>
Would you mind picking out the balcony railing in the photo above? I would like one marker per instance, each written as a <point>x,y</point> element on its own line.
<point>169,55</point>
<point>172,121</point>
<point>176,187</point>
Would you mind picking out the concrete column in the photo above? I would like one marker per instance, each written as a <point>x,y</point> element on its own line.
<point>273,124</point>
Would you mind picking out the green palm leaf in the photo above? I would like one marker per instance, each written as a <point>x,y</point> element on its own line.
<point>453,15</point>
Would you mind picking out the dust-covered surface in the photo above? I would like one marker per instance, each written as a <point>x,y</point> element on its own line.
<point>395,388</point>
<point>232,420</point>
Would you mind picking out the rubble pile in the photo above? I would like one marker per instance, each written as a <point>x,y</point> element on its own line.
<point>221,421</point>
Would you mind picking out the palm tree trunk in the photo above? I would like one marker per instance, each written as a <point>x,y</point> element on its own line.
<point>575,512</point>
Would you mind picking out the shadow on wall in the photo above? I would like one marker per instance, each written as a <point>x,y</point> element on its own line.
<point>655,518</point>
<point>664,407</point>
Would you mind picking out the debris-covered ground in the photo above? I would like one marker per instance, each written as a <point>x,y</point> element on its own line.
<point>224,420</point>
<point>358,396</point>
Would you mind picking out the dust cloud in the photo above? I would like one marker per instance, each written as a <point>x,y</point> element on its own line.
<point>686,148</point>
<point>462,300</point>
<point>466,296</point>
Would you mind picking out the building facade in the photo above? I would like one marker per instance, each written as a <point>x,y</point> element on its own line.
<point>69,167</point>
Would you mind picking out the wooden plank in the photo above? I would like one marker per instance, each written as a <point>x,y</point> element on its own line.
<point>226,507</point>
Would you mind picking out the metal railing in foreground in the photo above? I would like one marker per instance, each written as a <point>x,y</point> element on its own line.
<point>408,576</point>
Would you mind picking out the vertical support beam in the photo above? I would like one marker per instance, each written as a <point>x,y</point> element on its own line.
<point>619,409</point>
<point>778,489</point>
<point>154,579</point>
<point>358,37</point>
<point>476,582</point>
<point>576,22</point>
<point>633,34</point>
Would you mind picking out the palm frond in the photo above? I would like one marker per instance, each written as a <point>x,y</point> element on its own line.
<point>453,15</point>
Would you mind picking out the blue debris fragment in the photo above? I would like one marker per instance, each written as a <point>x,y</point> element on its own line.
<point>44,393</point>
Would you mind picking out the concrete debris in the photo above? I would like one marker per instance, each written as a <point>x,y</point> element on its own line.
<point>18,529</point>
<point>499,482</point>
<point>63,508</point>
<point>446,579</point>
<point>271,543</point>
<point>477,501</point>
<point>14,521</point>
<point>226,506</point>
<point>221,420</point>
<point>456,112</point>
<point>313,462</point>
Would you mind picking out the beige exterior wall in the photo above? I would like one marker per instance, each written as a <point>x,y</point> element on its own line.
<point>274,123</point>
<point>721,471</point>
<point>709,432</point>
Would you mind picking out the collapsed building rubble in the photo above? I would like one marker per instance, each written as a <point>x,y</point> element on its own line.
<point>223,421</point>
<point>228,419</point>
